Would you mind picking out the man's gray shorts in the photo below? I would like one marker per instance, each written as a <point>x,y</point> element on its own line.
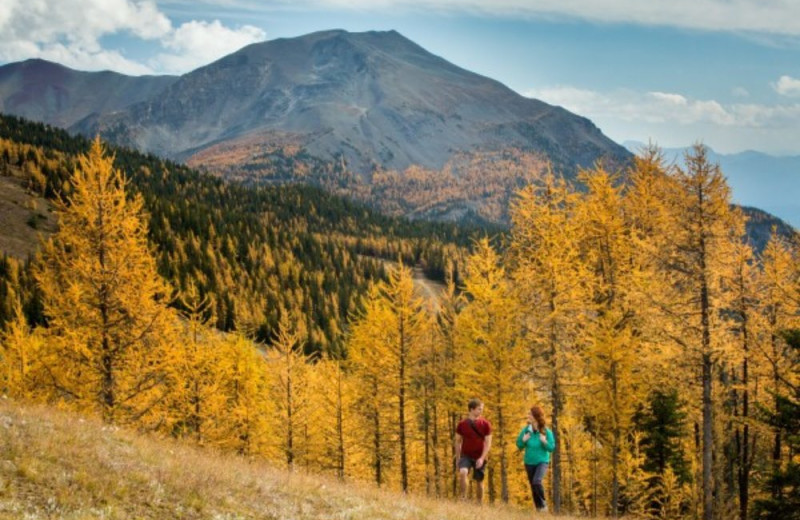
<point>469,462</point>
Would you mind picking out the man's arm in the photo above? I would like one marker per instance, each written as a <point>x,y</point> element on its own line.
<point>457,443</point>
<point>487,443</point>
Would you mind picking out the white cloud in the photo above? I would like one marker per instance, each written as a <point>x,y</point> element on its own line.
<point>779,17</point>
<point>627,105</point>
<point>677,120</point>
<point>787,86</point>
<point>198,43</point>
<point>669,99</point>
<point>740,92</point>
<point>69,32</point>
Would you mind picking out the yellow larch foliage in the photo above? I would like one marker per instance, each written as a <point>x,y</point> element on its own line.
<point>369,365</point>
<point>405,334</point>
<point>289,390</point>
<point>249,419</point>
<point>616,357</point>
<point>20,350</point>
<point>491,354</point>
<point>104,301</point>
<point>548,272</point>
<point>697,266</point>
<point>198,374</point>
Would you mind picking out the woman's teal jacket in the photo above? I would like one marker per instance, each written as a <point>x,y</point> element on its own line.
<point>536,452</point>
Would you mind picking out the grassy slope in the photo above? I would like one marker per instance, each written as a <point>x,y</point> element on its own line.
<point>59,465</point>
<point>17,237</point>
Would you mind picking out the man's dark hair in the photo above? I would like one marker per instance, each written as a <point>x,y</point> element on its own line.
<point>474,403</point>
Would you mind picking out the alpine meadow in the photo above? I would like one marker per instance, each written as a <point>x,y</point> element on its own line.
<point>308,279</point>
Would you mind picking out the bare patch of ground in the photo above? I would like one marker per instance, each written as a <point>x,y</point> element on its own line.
<point>23,218</point>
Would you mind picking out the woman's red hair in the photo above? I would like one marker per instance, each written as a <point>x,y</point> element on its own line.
<point>538,414</point>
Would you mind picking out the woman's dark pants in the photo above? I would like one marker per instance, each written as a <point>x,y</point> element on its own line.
<point>535,476</point>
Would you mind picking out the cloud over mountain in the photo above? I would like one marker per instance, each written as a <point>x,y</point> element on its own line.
<point>72,32</point>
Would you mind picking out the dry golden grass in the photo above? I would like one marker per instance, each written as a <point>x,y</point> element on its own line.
<point>58,465</point>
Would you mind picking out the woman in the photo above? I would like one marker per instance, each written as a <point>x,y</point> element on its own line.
<point>538,442</point>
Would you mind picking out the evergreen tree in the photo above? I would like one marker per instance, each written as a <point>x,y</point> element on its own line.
<point>785,504</point>
<point>663,423</point>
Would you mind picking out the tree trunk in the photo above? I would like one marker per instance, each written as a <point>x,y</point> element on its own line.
<point>708,443</point>
<point>402,406</point>
<point>776,447</point>
<point>289,421</point>
<point>743,445</point>
<point>437,463</point>
<point>453,426</point>
<point>107,360</point>
<point>492,486</point>
<point>340,425</point>
<point>556,397</point>
<point>377,438</point>
<point>503,455</point>
<point>426,430</point>
<point>708,431</point>
<point>615,446</point>
<point>556,459</point>
<point>594,474</point>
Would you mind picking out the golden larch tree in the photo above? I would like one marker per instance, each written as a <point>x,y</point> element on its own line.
<point>288,368</point>
<point>779,292</point>
<point>406,332</point>
<point>106,306</point>
<point>368,362</point>
<point>20,351</point>
<point>491,350</point>
<point>551,277</point>
<point>615,355</point>
<point>698,266</point>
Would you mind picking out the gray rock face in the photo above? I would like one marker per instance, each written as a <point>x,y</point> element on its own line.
<point>375,99</point>
<point>59,96</point>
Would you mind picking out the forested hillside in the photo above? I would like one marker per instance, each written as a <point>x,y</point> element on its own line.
<point>255,251</point>
<point>636,313</point>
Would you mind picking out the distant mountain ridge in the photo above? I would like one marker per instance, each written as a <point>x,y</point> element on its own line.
<point>51,93</point>
<point>373,100</point>
<point>765,181</point>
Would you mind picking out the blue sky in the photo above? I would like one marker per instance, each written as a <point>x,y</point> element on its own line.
<point>725,72</point>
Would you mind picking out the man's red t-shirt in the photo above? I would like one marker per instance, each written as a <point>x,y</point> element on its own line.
<point>472,445</point>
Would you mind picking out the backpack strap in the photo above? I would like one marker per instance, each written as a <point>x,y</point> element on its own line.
<point>475,429</point>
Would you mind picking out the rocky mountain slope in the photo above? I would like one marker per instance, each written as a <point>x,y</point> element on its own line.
<point>56,95</point>
<point>373,99</point>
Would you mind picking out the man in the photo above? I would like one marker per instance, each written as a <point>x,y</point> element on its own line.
<point>473,440</point>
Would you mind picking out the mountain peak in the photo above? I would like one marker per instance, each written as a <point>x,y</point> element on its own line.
<point>373,100</point>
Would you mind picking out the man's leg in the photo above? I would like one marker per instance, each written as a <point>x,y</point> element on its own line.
<point>462,481</point>
<point>479,491</point>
